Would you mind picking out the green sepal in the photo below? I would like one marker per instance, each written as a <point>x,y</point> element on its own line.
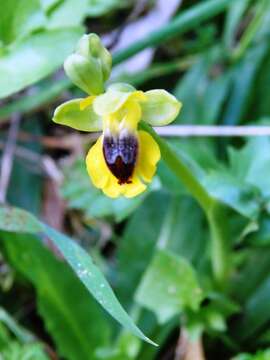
<point>160,108</point>
<point>69,114</point>
<point>85,73</point>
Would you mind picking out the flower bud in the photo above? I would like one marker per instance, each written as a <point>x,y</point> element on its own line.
<point>91,46</point>
<point>90,66</point>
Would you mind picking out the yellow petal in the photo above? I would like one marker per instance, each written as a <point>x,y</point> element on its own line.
<point>149,155</point>
<point>112,188</point>
<point>113,99</point>
<point>99,173</point>
<point>133,189</point>
<point>131,115</point>
<point>138,95</point>
<point>96,165</point>
<point>86,102</point>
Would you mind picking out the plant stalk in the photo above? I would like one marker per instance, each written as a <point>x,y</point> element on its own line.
<point>214,211</point>
<point>251,31</point>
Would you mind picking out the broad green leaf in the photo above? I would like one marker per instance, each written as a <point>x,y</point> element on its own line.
<point>262,236</point>
<point>169,286</point>
<point>19,18</point>
<point>67,13</point>
<point>80,194</point>
<point>237,194</point>
<point>255,314</point>
<point>70,114</point>
<point>136,247</point>
<point>23,177</point>
<point>258,259</point>
<point>16,220</point>
<point>34,57</point>
<point>179,235</point>
<point>255,294</point>
<point>47,5</point>
<point>93,279</point>
<point>65,305</point>
<point>13,219</point>
<point>251,164</point>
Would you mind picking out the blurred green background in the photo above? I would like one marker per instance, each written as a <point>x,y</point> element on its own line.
<point>155,250</point>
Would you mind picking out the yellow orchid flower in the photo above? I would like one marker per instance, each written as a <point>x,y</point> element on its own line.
<point>124,159</point>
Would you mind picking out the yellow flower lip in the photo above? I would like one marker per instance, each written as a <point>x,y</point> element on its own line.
<point>120,154</point>
<point>142,169</point>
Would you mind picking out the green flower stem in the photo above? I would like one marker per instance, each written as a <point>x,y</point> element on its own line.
<point>215,212</point>
<point>181,171</point>
<point>220,243</point>
<point>251,30</point>
<point>184,22</point>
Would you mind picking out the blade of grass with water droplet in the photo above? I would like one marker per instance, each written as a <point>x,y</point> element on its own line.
<point>17,220</point>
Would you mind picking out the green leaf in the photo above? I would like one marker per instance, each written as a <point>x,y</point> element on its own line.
<point>22,178</point>
<point>17,220</point>
<point>259,105</point>
<point>260,355</point>
<point>240,196</point>
<point>22,334</point>
<point>34,57</point>
<point>93,279</point>
<point>101,7</point>
<point>63,302</point>
<point>15,351</point>
<point>251,164</point>
<point>70,114</point>
<point>169,286</point>
<point>13,219</point>
<point>203,94</point>
<point>243,78</point>
<point>67,13</point>
<point>136,248</point>
<point>19,18</point>
<point>255,313</point>
<point>46,92</point>
<point>47,5</point>
<point>5,337</point>
<point>234,14</point>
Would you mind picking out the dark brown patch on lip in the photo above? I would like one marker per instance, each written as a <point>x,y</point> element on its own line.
<point>120,154</point>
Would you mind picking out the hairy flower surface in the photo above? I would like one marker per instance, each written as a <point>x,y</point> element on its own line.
<point>124,159</point>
